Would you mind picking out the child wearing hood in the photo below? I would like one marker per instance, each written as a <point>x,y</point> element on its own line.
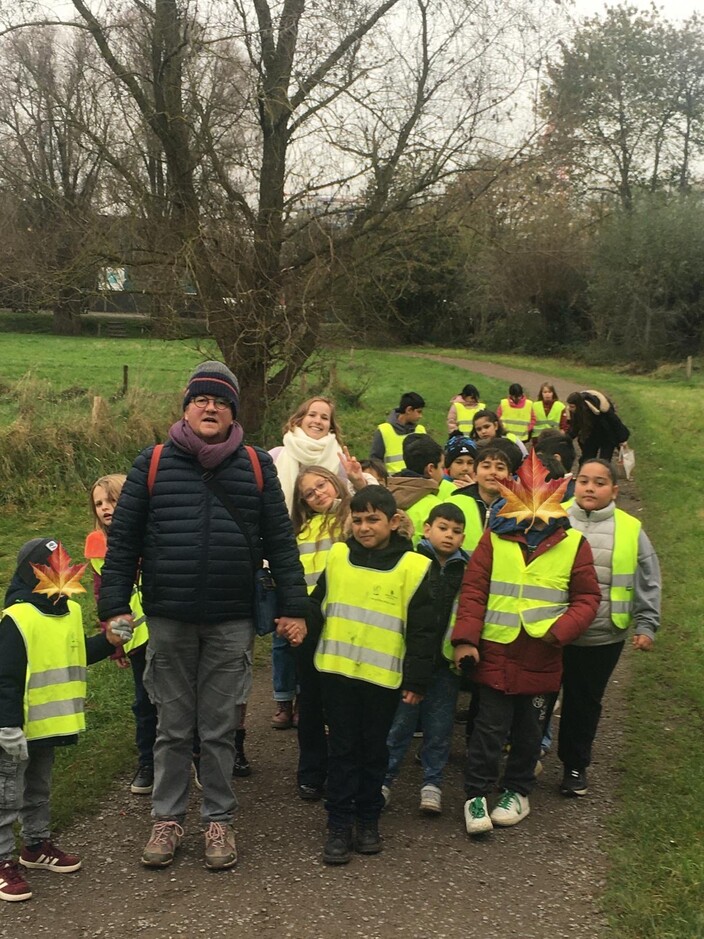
<point>43,658</point>
<point>530,588</point>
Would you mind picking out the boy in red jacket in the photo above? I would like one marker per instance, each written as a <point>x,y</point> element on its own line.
<point>529,589</point>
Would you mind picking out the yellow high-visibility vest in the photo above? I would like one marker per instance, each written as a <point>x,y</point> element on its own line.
<point>516,420</point>
<point>529,596</point>
<point>314,543</point>
<point>465,415</point>
<point>552,419</point>
<point>393,446</point>
<point>140,630</point>
<point>418,514</point>
<point>55,681</point>
<point>473,521</point>
<point>624,562</point>
<point>365,617</point>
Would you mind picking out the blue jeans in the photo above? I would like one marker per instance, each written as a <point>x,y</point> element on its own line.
<point>283,665</point>
<point>437,717</point>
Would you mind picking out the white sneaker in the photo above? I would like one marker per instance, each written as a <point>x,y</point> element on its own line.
<point>511,809</point>
<point>538,768</point>
<point>431,800</point>
<point>386,793</point>
<point>476,816</point>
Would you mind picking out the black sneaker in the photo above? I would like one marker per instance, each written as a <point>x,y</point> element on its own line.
<point>143,781</point>
<point>574,783</point>
<point>242,766</point>
<point>338,846</point>
<point>311,793</point>
<point>367,839</point>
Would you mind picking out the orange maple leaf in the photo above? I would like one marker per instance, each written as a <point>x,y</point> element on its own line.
<point>59,577</point>
<point>532,496</point>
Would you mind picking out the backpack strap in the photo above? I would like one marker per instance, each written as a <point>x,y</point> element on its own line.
<point>154,466</point>
<point>257,467</point>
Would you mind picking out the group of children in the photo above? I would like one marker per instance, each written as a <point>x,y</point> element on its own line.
<point>474,562</point>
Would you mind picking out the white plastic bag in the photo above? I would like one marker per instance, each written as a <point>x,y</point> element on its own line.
<point>627,458</point>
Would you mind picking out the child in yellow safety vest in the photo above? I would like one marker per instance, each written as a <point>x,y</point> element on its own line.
<point>516,413</point>
<point>550,413</point>
<point>320,510</point>
<point>415,488</point>
<point>43,658</point>
<point>103,498</point>
<point>373,614</point>
<point>486,425</point>
<point>442,539</point>
<point>629,576</point>
<point>463,407</point>
<point>530,588</point>
<point>387,442</point>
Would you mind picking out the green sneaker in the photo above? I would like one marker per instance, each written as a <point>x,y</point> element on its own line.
<point>511,809</point>
<point>476,816</point>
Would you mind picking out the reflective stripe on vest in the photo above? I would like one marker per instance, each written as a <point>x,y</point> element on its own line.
<point>366,639</point>
<point>516,420</point>
<point>624,561</point>
<point>140,629</point>
<point>473,521</point>
<point>313,548</point>
<point>465,416</point>
<point>393,446</point>
<point>448,650</point>
<point>532,595</point>
<point>552,419</point>
<point>55,681</point>
<point>418,514</point>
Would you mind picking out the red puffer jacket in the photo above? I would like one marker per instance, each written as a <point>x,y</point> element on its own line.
<point>526,665</point>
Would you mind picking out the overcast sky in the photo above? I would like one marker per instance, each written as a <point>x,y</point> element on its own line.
<point>673,9</point>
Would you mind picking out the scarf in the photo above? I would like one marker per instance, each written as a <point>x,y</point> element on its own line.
<point>209,455</point>
<point>301,450</point>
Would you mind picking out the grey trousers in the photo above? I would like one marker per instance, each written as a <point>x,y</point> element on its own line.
<point>195,675</point>
<point>25,791</point>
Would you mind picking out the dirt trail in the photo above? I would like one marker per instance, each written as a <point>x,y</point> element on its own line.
<point>544,878</point>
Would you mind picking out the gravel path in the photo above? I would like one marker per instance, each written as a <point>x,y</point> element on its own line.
<point>543,878</point>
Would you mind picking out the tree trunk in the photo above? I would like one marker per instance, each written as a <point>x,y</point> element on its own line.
<point>67,313</point>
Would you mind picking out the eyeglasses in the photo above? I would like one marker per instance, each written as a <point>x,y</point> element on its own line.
<point>316,490</point>
<point>202,401</point>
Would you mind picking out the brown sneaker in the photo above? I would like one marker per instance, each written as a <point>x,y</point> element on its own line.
<point>220,850</point>
<point>159,851</point>
<point>283,718</point>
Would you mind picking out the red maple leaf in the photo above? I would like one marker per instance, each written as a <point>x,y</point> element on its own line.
<point>59,577</point>
<point>532,496</point>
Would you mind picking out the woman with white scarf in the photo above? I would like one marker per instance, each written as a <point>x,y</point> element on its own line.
<point>311,438</point>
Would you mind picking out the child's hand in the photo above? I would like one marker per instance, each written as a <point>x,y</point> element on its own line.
<point>411,697</point>
<point>292,628</point>
<point>14,743</point>
<point>644,643</point>
<point>352,468</point>
<point>119,629</point>
<point>466,651</point>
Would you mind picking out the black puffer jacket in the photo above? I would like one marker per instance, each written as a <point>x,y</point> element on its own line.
<point>195,561</point>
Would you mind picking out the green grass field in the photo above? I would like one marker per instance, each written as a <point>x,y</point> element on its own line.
<point>657,873</point>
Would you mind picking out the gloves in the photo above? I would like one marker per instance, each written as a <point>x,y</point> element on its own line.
<point>14,743</point>
<point>122,628</point>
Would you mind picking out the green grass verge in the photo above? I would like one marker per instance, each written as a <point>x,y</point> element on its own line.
<point>657,875</point>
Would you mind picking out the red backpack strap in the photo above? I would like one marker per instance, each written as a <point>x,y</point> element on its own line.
<point>154,466</point>
<point>256,466</point>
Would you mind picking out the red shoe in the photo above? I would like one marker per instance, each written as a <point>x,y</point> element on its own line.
<point>51,858</point>
<point>13,886</point>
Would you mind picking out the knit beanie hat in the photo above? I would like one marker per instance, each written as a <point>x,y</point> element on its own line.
<point>458,446</point>
<point>216,380</point>
<point>36,551</point>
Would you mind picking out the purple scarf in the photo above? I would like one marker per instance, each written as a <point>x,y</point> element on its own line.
<point>209,455</point>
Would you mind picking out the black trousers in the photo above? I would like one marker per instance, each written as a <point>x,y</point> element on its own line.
<point>359,717</point>
<point>585,674</point>
<point>312,738</point>
<point>500,717</point>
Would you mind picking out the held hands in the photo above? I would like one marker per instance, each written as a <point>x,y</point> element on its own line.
<point>119,629</point>
<point>292,628</point>
<point>643,643</point>
<point>466,651</point>
<point>14,743</point>
<point>353,469</point>
<point>411,697</point>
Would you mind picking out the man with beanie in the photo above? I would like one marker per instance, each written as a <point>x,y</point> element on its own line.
<point>43,658</point>
<point>198,595</point>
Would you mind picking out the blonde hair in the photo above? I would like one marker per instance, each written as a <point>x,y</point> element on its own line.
<point>297,417</point>
<point>546,384</point>
<point>112,484</point>
<point>301,512</point>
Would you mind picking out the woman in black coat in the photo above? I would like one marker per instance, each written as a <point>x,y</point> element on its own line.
<point>594,423</point>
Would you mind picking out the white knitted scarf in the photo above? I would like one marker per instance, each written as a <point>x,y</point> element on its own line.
<point>301,450</point>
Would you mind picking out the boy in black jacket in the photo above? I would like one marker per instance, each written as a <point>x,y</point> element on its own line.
<point>443,535</point>
<point>43,654</point>
<point>373,611</point>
